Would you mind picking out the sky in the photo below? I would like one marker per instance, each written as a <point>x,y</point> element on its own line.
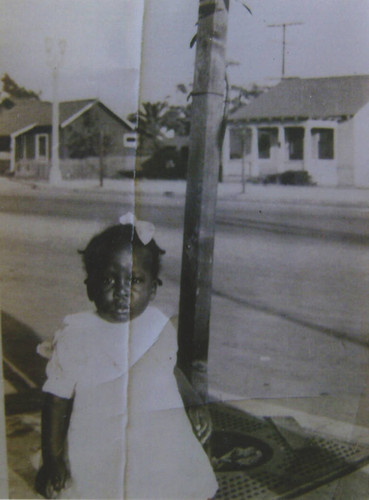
<point>123,50</point>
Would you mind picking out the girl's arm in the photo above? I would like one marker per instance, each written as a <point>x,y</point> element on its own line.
<point>55,421</point>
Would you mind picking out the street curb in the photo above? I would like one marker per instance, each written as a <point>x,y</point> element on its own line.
<point>313,196</point>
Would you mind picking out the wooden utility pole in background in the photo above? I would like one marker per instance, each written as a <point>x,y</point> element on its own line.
<point>101,156</point>
<point>284,27</point>
<point>204,160</point>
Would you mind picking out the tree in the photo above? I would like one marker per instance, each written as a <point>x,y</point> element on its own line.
<point>90,140</point>
<point>178,118</point>
<point>155,120</point>
<point>13,92</point>
<point>240,96</point>
<point>149,121</point>
<point>86,141</point>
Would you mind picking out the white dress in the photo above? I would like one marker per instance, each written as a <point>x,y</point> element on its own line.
<point>129,436</point>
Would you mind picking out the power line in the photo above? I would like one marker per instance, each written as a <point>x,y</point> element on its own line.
<point>283,26</point>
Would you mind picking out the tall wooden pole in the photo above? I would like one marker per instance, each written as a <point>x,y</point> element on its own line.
<point>284,27</point>
<point>204,160</point>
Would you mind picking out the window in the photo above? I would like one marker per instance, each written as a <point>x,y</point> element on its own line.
<point>295,142</point>
<point>267,137</point>
<point>264,145</point>
<point>239,140</point>
<point>20,145</point>
<point>235,144</point>
<point>30,147</point>
<point>4,143</point>
<point>129,140</point>
<point>42,147</point>
<point>324,143</point>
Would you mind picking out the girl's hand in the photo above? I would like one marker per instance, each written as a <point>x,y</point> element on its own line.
<point>59,474</point>
<point>54,473</point>
<point>52,478</point>
<point>45,349</point>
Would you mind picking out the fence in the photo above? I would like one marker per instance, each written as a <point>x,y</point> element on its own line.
<point>86,168</point>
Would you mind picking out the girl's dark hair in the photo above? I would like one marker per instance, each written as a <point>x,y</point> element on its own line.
<point>101,246</point>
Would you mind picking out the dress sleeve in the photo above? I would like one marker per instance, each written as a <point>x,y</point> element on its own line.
<point>63,368</point>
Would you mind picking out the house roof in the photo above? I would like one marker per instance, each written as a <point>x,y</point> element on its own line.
<point>319,98</point>
<point>39,113</point>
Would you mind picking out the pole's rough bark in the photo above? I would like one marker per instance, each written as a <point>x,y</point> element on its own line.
<point>203,170</point>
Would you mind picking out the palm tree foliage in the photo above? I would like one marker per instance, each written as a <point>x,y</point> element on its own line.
<point>154,120</point>
<point>149,123</point>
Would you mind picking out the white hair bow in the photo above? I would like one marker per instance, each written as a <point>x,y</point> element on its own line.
<point>145,230</point>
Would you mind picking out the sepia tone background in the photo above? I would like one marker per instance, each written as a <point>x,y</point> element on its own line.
<point>289,323</point>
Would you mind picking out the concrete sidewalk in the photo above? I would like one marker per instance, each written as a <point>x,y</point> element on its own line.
<point>227,192</point>
<point>271,431</point>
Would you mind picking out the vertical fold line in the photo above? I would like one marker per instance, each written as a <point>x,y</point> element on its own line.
<point>140,6</point>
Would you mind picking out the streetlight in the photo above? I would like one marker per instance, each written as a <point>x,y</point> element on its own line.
<point>54,59</point>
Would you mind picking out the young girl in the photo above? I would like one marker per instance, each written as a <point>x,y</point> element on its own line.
<point>111,390</point>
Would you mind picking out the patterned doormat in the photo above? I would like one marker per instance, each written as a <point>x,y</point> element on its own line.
<point>267,458</point>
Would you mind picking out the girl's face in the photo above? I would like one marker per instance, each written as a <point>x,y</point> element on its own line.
<point>124,286</point>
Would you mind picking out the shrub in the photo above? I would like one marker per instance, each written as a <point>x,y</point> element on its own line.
<point>167,163</point>
<point>290,178</point>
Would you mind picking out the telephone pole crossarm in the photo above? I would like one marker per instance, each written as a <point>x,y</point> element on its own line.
<point>284,28</point>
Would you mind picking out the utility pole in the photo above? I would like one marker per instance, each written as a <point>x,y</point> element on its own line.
<point>284,27</point>
<point>101,155</point>
<point>54,59</point>
<point>202,181</point>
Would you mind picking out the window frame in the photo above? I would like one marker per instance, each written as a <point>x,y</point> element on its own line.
<point>130,140</point>
<point>38,156</point>
<point>239,143</point>
<point>328,144</point>
<point>264,134</point>
<point>295,147</point>
<point>22,152</point>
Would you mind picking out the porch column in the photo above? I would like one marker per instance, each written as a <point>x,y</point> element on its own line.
<point>335,142</point>
<point>226,152</point>
<point>12,152</point>
<point>254,156</point>
<point>351,181</point>
<point>282,149</point>
<point>307,148</point>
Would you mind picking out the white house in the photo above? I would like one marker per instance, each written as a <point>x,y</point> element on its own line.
<point>320,125</point>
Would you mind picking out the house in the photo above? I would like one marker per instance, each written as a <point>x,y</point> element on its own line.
<point>26,139</point>
<point>320,125</point>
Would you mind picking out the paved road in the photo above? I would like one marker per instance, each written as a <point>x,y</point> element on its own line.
<point>345,222</point>
<point>290,287</point>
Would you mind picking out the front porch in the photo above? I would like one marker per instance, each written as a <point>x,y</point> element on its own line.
<point>257,150</point>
